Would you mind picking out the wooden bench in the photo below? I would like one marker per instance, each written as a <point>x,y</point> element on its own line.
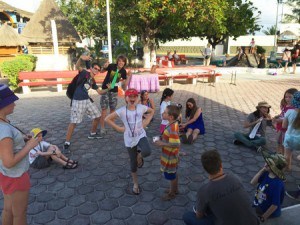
<point>190,78</point>
<point>50,78</point>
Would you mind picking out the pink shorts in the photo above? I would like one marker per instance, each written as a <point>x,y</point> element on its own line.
<point>11,184</point>
<point>162,128</point>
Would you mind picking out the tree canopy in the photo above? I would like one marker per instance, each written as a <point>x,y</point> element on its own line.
<point>295,15</point>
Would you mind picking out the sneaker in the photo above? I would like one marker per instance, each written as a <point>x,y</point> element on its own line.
<point>94,136</point>
<point>237,142</point>
<point>293,194</point>
<point>103,132</point>
<point>66,146</point>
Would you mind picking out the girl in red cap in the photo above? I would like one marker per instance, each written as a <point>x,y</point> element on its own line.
<point>134,133</point>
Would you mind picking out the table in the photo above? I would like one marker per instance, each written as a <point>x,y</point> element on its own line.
<point>144,81</point>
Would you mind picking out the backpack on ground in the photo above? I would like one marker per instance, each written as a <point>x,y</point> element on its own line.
<point>74,84</point>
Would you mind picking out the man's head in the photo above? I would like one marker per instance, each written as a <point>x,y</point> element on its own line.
<point>96,68</point>
<point>211,162</point>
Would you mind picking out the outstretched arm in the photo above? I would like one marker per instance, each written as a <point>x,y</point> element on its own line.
<point>110,121</point>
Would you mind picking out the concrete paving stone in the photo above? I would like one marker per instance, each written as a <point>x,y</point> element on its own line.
<point>55,187</point>
<point>76,200</point>
<point>80,220</point>
<point>141,208</point>
<point>114,193</point>
<point>157,217</point>
<point>121,212</point>
<point>66,193</point>
<point>147,196</point>
<point>67,212</point>
<point>175,212</point>
<point>84,189</point>
<point>38,174</point>
<point>120,183</point>
<point>137,220</point>
<point>57,222</point>
<point>35,208</point>
<point>100,217</point>
<point>56,204</point>
<point>109,204</point>
<point>38,189</point>
<point>74,183</point>
<point>151,185</point>
<point>175,222</point>
<point>65,177</point>
<point>44,217</point>
<point>158,204</point>
<point>88,208</point>
<point>236,162</point>
<point>240,170</point>
<point>47,180</point>
<point>128,200</point>
<point>116,222</point>
<point>109,177</point>
<point>91,180</point>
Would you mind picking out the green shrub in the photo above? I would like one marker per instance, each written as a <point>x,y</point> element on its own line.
<point>260,50</point>
<point>12,68</point>
<point>30,58</point>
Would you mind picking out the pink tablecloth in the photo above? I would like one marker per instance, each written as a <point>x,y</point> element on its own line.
<point>144,81</point>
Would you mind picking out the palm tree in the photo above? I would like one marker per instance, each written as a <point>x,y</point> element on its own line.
<point>270,30</point>
<point>295,16</point>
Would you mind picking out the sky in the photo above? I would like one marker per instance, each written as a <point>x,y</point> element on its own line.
<point>267,7</point>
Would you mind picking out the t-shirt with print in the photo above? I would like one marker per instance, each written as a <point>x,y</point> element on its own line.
<point>169,155</point>
<point>163,106</point>
<point>86,82</point>
<point>262,128</point>
<point>227,200</point>
<point>111,71</point>
<point>8,131</point>
<point>42,147</point>
<point>133,122</point>
<point>270,191</point>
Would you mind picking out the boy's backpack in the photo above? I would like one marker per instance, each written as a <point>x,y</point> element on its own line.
<point>74,84</point>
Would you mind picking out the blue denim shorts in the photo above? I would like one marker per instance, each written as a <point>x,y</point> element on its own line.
<point>170,176</point>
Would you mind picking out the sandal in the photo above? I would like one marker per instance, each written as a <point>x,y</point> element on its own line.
<point>190,139</point>
<point>70,165</point>
<point>71,161</point>
<point>135,190</point>
<point>140,160</point>
<point>168,197</point>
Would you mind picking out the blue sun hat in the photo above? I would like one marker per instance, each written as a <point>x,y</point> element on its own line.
<point>296,100</point>
<point>7,96</point>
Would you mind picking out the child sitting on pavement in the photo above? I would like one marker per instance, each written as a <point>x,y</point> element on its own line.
<point>170,144</point>
<point>42,155</point>
<point>270,190</point>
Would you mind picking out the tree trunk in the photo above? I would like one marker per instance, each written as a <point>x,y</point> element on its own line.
<point>153,55</point>
<point>146,57</point>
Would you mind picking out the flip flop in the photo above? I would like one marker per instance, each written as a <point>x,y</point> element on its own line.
<point>135,190</point>
<point>190,139</point>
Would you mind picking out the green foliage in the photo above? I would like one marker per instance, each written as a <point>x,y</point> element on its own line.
<point>260,50</point>
<point>270,30</point>
<point>294,17</point>
<point>12,68</point>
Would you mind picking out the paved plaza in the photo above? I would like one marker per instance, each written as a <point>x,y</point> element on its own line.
<point>98,191</point>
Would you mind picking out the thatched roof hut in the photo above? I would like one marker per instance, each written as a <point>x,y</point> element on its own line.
<point>10,40</point>
<point>6,7</point>
<point>38,29</point>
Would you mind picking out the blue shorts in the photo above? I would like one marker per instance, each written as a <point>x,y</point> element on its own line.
<point>170,176</point>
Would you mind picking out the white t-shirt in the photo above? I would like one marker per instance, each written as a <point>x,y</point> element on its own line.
<point>42,146</point>
<point>163,106</point>
<point>133,122</point>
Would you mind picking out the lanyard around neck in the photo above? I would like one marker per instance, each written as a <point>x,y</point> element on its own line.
<point>131,130</point>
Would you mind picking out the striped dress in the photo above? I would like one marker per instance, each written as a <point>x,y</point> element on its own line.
<point>169,155</point>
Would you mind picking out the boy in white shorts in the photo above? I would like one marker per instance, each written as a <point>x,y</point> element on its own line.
<point>83,104</point>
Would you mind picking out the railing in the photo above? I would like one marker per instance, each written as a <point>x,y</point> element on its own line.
<point>38,50</point>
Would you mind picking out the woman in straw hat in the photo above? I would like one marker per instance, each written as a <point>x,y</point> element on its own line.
<point>14,163</point>
<point>257,123</point>
<point>292,136</point>
<point>270,189</point>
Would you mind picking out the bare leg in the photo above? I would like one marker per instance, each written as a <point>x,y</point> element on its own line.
<point>174,186</point>
<point>7,216</point>
<point>288,156</point>
<point>19,207</point>
<point>195,134</point>
<point>188,132</point>
<point>95,123</point>
<point>135,182</point>
<point>70,131</point>
<point>103,115</point>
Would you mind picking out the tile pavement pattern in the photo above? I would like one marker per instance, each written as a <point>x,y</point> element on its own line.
<point>98,191</point>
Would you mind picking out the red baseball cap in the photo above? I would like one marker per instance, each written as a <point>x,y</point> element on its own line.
<point>131,91</point>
